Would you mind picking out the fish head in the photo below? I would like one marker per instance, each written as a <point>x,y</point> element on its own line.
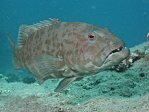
<point>99,50</point>
<point>104,49</point>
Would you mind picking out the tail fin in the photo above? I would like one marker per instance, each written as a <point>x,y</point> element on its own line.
<point>15,53</point>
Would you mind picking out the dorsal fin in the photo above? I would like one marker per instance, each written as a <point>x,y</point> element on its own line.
<point>26,30</point>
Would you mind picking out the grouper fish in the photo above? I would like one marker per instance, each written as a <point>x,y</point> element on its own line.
<point>68,50</point>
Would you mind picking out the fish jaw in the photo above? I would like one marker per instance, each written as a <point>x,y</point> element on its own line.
<point>115,58</point>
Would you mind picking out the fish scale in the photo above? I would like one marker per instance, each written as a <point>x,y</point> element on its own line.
<point>68,50</point>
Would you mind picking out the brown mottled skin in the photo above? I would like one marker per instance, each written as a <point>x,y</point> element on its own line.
<point>68,49</point>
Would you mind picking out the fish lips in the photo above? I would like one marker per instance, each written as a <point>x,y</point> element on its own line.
<point>115,57</point>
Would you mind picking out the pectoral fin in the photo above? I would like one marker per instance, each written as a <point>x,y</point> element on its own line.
<point>44,67</point>
<point>64,83</point>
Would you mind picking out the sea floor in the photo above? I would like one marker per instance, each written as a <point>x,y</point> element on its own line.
<point>108,91</point>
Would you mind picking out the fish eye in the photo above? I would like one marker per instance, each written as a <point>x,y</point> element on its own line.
<point>91,37</point>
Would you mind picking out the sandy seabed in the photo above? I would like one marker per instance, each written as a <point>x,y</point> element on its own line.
<point>107,91</point>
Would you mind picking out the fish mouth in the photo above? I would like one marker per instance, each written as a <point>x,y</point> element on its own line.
<point>115,51</point>
<point>115,57</point>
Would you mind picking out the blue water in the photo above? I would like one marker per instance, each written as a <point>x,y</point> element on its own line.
<point>128,19</point>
